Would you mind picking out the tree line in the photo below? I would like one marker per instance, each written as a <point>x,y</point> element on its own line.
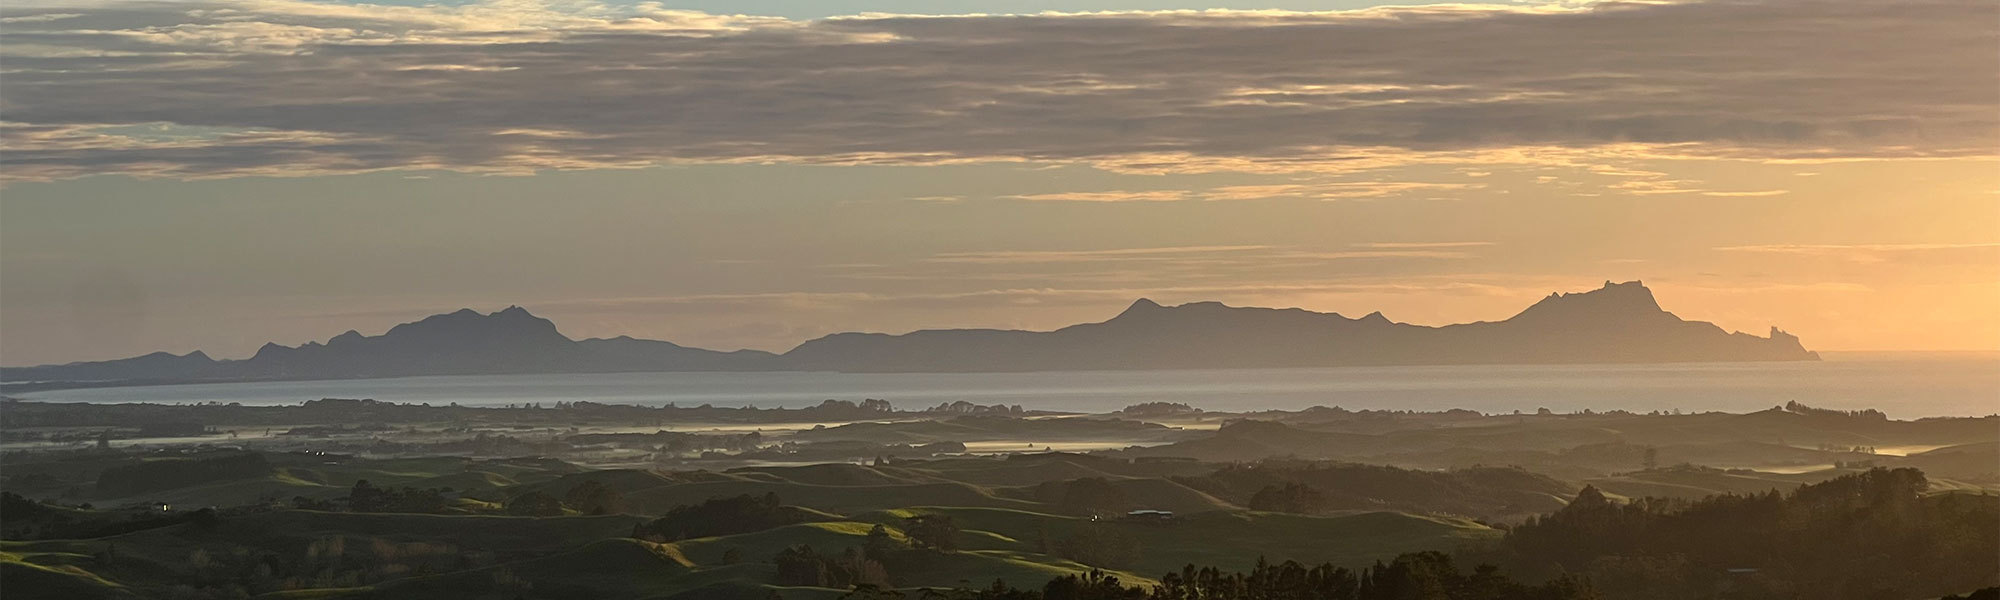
<point>1869,535</point>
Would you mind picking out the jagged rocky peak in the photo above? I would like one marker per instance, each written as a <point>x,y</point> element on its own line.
<point>1619,322</point>
<point>464,327</point>
<point>1142,306</point>
<point>512,317</point>
<point>167,358</point>
<point>1628,298</point>
<point>269,349</point>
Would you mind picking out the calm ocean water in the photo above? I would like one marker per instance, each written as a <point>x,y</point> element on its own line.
<point>1902,385</point>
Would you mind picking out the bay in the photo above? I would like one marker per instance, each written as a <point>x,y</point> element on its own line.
<point>1904,385</point>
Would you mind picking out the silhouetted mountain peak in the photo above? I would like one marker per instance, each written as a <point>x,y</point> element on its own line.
<point>168,358</point>
<point>268,350</point>
<point>512,322</point>
<point>1614,300</point>
<point>1617,323</point>
<point>1141,307</point>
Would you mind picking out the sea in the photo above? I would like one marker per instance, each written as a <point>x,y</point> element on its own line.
<point>1903,385</point>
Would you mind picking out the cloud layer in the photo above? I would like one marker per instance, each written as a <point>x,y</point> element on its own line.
<point>260,87</point>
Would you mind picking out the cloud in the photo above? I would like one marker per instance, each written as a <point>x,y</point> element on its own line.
<point>1334,190</point>
<point>1867,253</point>
<point>1824,248</point>
<point>40,17</point>
<point>1748,194</point>
<point>1049,256</point>
<point>1222,256</point>
<point>1354,254</point>
<point>310,88</point>
<point>1764,288</point>
<point>1423,244</point>
<point>1340,190</point>
<point>1110,196</point>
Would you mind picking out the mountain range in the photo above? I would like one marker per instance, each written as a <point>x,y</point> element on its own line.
<point>1618,323</point>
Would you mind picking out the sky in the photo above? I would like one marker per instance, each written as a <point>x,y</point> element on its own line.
<point>214,175</point>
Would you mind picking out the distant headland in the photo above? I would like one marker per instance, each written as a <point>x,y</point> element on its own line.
<point>1618,323</point>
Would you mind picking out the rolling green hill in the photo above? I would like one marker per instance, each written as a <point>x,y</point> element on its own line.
<point>833,498</point>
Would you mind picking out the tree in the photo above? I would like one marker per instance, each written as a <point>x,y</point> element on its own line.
<point>1291,498</point>
<point>934,531</point>
<point>365,497</point>
<point>534,504</point>
<point>801,566</point>
<point>1857,537</point>
<point>880,545</point>
<point>594,498</point>
<point>870,591</point>
<point>1095,585</point>
<point>722,516</point>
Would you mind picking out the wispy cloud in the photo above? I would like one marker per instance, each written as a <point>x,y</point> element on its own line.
<point>35,18</point>
<point>1749,194</point>
<point>1355,254</point>
<point>306,88</point>
<point>1109,196</point>
<point>1334,190</point>
<point>1218,256</point>
<point>1325,190</point>
<point>1837,287</point>
<point>1423,244</point>
<point>1045,256</point>
<point>1824,248</point>
<point>1867,253</point>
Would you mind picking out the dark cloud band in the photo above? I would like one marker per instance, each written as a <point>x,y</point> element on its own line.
<point>219,89</point>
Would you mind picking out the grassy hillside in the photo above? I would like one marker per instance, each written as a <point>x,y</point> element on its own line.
<point>54,575</point>
<point>1211,538</point>
<point>834,498</point>
<point>1024,518</point>
<point>395,556</point>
